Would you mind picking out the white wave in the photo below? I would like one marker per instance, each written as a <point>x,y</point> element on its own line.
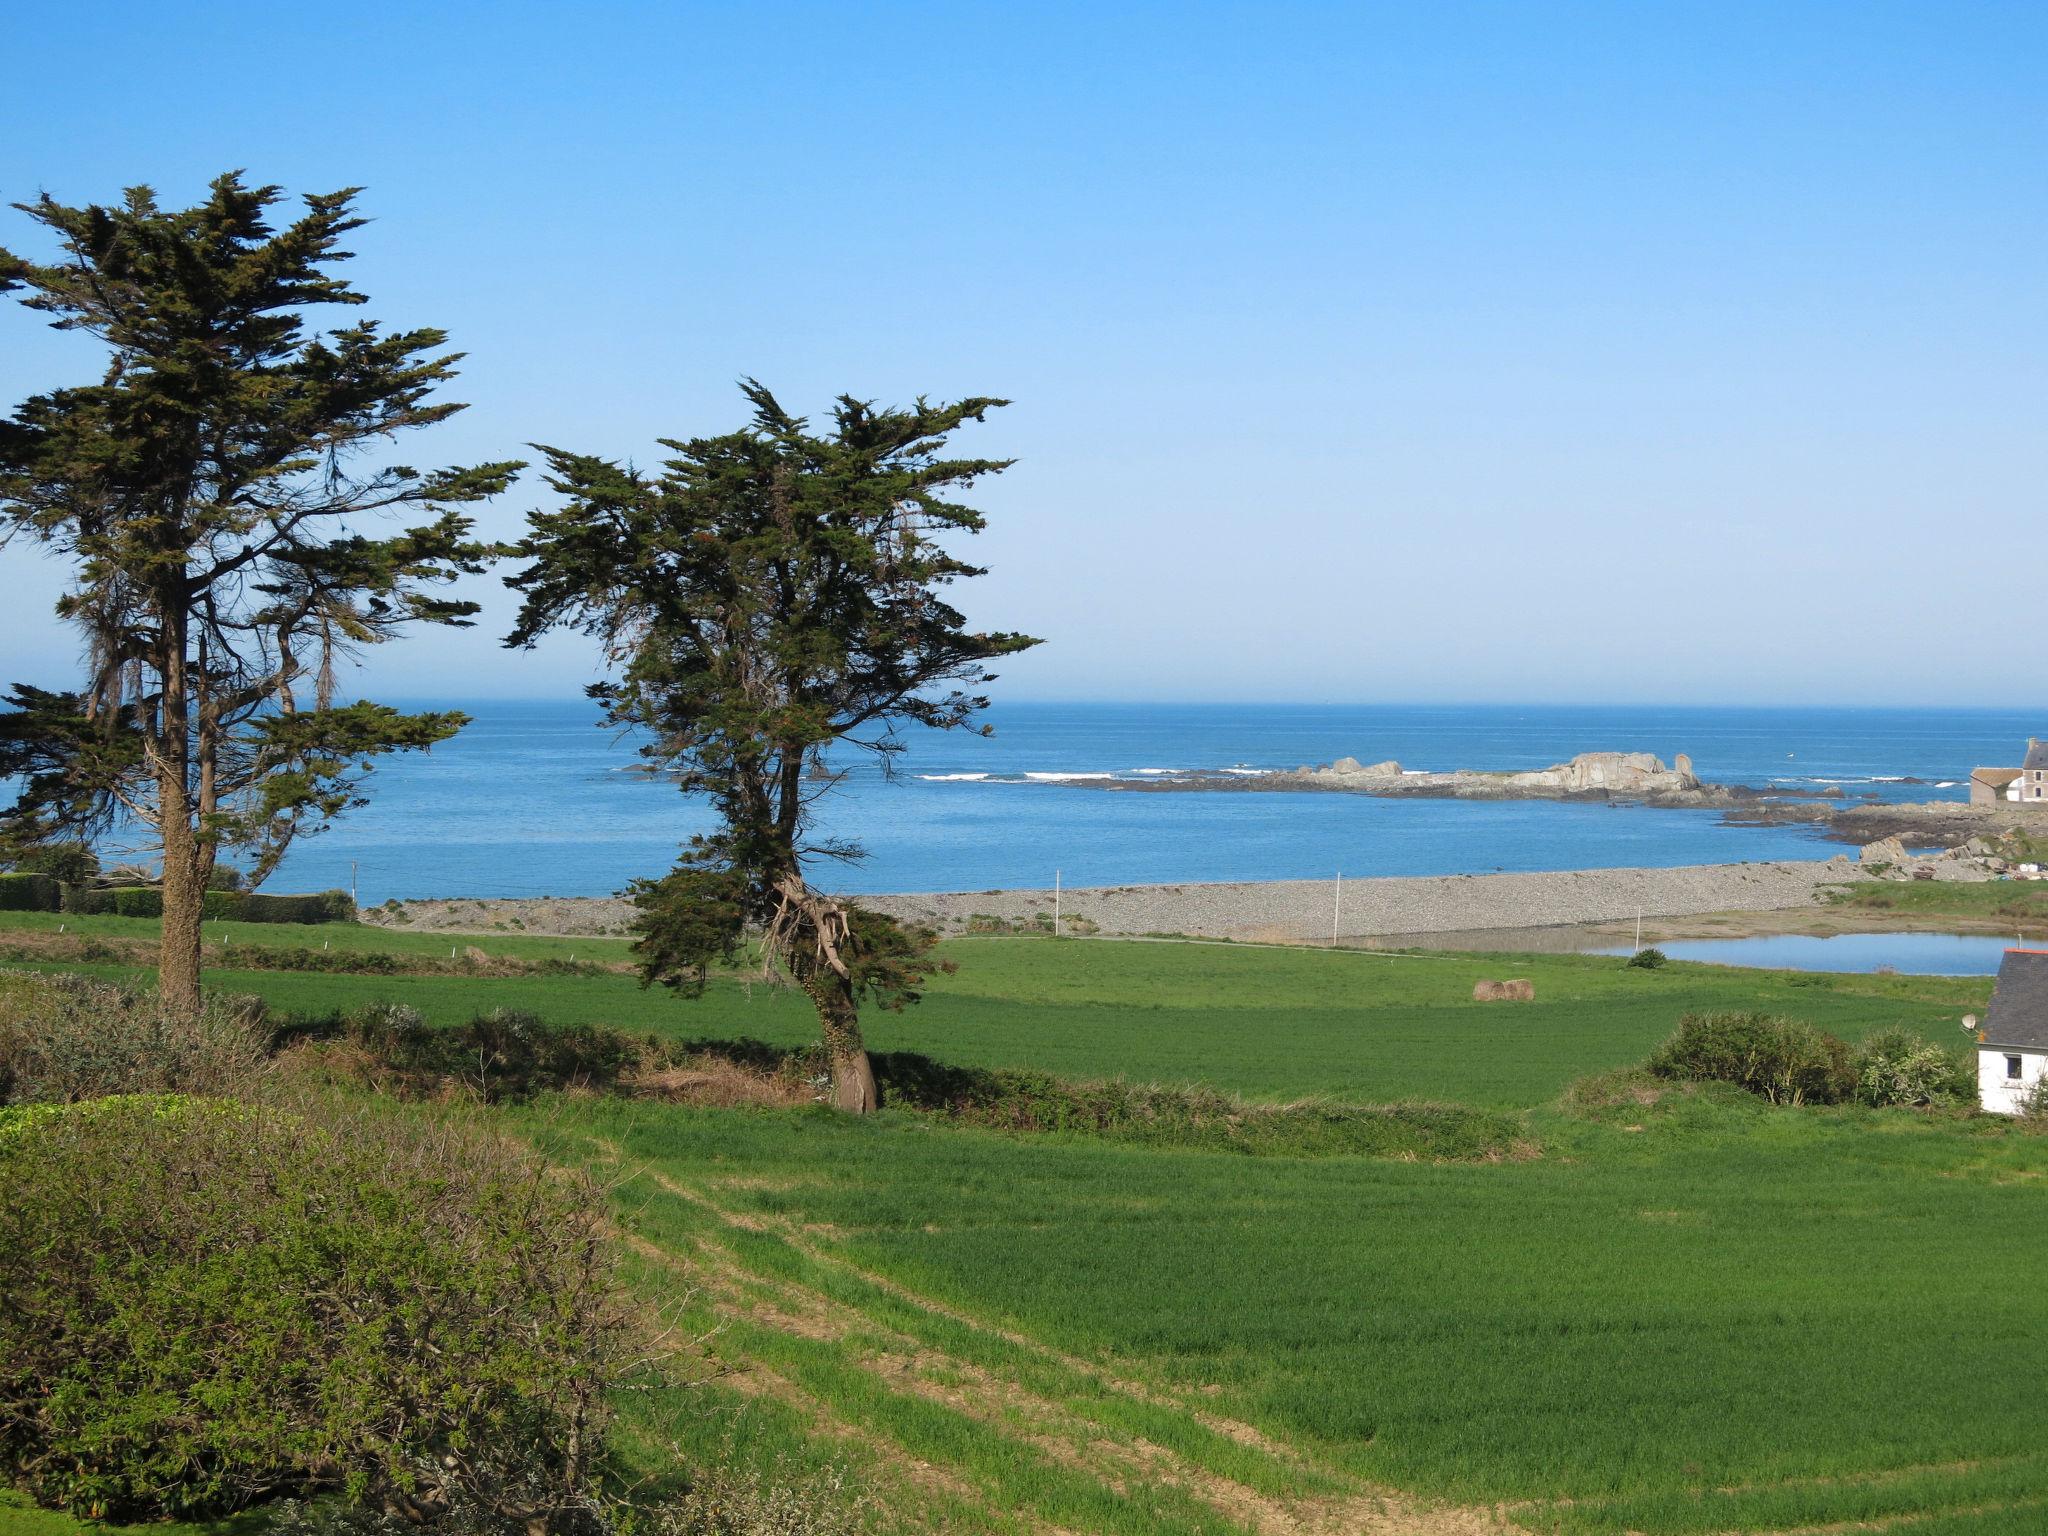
<point>1416,773</point>
<point>1249,773</point>
<point>1949,784</point>
<point>952,778</point>
<point>1161,772</point>
<point>1063,778</point>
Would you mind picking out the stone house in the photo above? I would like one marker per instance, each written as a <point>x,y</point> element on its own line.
<point>2012,1047</point>
<point>2024,785</point>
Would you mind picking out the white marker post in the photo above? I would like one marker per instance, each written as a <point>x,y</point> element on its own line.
<point>1055,903</point>
<point>1337,907</point>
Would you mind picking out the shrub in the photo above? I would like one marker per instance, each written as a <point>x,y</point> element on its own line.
<point>29,893</point>
<point>69,863</point>
<point>504,1054</point>
<point>2034,1102</point>
<point>209,1303</point>
<point>1897,1067</point>
<point>1786,1061</point>
<point>1648,960</point>
<point>67,1038</point>
<point>721,1501</point>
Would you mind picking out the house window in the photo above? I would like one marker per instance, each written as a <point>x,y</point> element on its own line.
<point>2012,1069</point>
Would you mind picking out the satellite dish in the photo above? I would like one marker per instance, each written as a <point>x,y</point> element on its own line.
<point>1969,1021</point>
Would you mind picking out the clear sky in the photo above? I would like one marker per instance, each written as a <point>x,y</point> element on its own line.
<point>1533,351</point>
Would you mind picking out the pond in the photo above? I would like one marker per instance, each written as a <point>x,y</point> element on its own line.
<point>1911,954</point>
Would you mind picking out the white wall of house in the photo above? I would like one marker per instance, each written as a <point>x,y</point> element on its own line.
<point>1998,1090</point>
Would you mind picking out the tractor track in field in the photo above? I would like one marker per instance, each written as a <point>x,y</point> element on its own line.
<point>1060,1429</point>
<point>1042,1424</point>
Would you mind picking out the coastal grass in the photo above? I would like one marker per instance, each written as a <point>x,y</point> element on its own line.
<point>2003,902</point>
<point>1702,1315</point>
<point>1272,1024</point>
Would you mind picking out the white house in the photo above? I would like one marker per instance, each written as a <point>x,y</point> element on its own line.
<point>2012,1047</point>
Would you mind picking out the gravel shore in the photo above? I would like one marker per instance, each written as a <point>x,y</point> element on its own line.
<point>1271,910</point>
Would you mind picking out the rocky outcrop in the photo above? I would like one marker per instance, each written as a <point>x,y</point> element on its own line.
<point>1590,773</point>
<point>1628,773</point>
<point>1352,768</point>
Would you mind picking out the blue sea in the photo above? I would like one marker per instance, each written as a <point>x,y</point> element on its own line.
<point>535,798</point>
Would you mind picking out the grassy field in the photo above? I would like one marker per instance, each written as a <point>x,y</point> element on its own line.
<point>1265,1023</point>
<point>1699,1315</point>
<point>1996,906</point>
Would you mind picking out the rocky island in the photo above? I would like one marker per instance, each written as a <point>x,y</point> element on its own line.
<point>1637,778</point>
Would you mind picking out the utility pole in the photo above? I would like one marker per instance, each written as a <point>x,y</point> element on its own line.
<point>352,882</point>
<point>1055,903</point>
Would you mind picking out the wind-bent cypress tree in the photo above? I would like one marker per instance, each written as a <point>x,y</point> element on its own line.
<point>770,594</point>
<point>207,492</point>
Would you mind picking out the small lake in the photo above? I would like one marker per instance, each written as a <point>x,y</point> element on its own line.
<point>1911,954</point>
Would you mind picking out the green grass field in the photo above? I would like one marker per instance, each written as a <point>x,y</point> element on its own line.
<point>1265,1023</point>
<point>1702,1315</point>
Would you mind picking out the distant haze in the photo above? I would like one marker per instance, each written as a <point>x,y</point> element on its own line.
<point>1686,352</point>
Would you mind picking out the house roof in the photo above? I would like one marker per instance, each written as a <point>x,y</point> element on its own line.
<point>1997,778</point>
<point>2019,1005</point>
<point>2037,755</point>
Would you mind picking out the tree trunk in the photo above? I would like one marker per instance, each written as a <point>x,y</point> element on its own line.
<point>184,883</point>
<point>853,1076</point>
<point>184,891</point>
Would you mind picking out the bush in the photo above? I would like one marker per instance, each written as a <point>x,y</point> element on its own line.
<point>66,1038</point>
<point>68,863</point>
<point>1648,960</point>
<point>209,1303</point>
<point>2034,1102</point>
<point>1897,1067</point>
<point>29,893</point>
<point>1786,1061</point>
<point>504,1054</point>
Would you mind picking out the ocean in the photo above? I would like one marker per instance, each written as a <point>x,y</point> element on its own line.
<point>536,798</point>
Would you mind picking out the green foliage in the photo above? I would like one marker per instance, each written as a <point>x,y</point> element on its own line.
<point>211,1303</point>
<point>68,1038</point>
<point>2033,1105</point>
<point>1785,1061</point>
<point>208,490</point>
<point>1648,960</point>
<point>771,594</point>
<point>29,893</point>
<point>72,863</point>
<point>1896,1066</point>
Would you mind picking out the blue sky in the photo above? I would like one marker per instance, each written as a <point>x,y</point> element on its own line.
<point>1680,352</point>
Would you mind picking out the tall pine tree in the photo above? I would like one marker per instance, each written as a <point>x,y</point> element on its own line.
<point>219,496</point>
<point>771,594</point>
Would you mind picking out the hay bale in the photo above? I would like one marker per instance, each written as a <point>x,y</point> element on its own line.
<point>1516,990</point>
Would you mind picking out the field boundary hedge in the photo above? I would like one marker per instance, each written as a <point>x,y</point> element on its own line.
<point>235,906</point>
